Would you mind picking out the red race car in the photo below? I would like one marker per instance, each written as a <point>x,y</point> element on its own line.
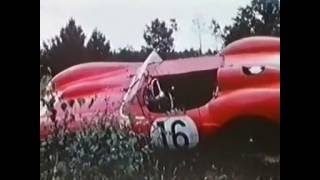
<point>181,102</point>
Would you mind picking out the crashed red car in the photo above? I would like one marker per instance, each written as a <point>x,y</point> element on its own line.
<point>178,103</point>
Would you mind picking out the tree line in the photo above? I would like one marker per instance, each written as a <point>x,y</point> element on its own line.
<point>260,17</point>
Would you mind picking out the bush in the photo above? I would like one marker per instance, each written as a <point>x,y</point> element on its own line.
<point>95,154</point>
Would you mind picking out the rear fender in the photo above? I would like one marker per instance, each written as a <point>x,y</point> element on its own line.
<point>264,103</point>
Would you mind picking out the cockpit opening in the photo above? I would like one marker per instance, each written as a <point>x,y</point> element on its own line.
<point>180,91</point>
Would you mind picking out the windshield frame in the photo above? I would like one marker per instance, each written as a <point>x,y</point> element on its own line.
<point>142,75</point>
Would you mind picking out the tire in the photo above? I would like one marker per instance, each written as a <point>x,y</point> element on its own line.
<point>248,136</point>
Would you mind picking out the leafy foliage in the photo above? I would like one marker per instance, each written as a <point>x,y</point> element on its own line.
<point>159,37</point>
<point>261,17</point>
<point>93,154</point>
<point>112,154</point>
<point>129,54</point>
<point>65,50</point>
<point>69,48</point>
<point>97,47</point>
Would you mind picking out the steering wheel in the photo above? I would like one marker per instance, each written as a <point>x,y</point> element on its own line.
<point>157,93</point>
<point>154,90</point>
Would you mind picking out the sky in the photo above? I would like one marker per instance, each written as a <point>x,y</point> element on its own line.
<point>123,21</point>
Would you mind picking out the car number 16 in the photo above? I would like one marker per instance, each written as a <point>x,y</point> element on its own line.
<point>178,132</point>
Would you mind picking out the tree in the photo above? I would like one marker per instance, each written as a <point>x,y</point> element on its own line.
<point>43,65</point>
<point>159,37</point>
<point>199,25</point>
<point>67,49</point>
<point>261,17</point>
<point>129,54</point>
<point>97,47</point>
<point>209,52</point>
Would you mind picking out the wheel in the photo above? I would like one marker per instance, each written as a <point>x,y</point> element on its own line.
<point>248,136</point>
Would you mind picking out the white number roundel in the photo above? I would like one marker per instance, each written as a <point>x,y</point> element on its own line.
<point>179,132</point>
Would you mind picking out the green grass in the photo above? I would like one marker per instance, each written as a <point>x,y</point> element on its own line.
<point>112,154</point>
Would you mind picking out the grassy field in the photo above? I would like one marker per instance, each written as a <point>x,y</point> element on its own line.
<point>106,153</point>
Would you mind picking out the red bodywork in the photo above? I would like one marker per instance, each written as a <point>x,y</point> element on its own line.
<point>245,78</point>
